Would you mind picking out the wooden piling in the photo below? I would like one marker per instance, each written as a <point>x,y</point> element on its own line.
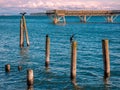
<point>21,34</point>
<point>30,77</point>
<point>55,21</point>
<point>23,30</point>
<point>84,18</point>
<point>106,58</point>
<point>19,68</point>
<point>26,32</point>
<point>110,18</point>
<point>47,52</point>
<point>7,67</point>
<point>73,61</point>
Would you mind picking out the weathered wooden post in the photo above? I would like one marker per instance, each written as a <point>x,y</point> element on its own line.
<point>84,20</point>
<point>23,30</point>
<point>55,20</point>
<point>110,18</point>
<point>106,58</point>
<point>21,34</point>
<point>7,67</point>
<point>73,61</point>
<point>47,52</point>
<point>30,77</point>
<point>26,32</point>
<point>19,68</point>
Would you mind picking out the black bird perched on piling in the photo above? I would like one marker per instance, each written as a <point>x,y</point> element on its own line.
<point>72,38</point>
<point>23,13</point>
<point>47,35</point>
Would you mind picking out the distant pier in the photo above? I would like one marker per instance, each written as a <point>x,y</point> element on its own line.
<point>58,16</point>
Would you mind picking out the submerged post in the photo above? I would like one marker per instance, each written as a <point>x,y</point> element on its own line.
<point>73,61</point>
<point>30,77</point>
<point>7,67</point>
<point>47,52</point>
<point>106,58</point>
<point>19,68</point>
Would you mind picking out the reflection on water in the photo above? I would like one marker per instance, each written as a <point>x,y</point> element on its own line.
<point>19,68</point>
<point>77,87</point>
<point>30,88</point>
<point>24,55</point>
<point>106,83</point>
<point>24,52</point>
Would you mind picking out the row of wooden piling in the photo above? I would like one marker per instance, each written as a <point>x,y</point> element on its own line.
<point>30,75</point>
<point>7,68</point>
<point>106,60</point>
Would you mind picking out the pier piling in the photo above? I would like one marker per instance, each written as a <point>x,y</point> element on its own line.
<point>106,58</point>
<point>110,18</point>
<point>7,67</point>
<point>59,15</point>
<point>19,68</point>
<point>73,61</point>
<point>30,77</point>
<point>23,30</point>
<point>21,34</point>
<point>47,52</point>
<point>26,32</point>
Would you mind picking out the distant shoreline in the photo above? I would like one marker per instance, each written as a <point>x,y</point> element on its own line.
<point>38,14</point>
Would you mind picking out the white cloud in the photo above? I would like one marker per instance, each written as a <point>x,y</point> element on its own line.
<point>38,5</point>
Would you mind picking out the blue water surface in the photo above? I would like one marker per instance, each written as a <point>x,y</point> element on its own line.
<point>88,35</point>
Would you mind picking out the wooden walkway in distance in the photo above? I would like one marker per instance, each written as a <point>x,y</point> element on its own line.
<point>59,15</point>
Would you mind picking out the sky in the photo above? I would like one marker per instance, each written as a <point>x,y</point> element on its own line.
<point>32,6</point>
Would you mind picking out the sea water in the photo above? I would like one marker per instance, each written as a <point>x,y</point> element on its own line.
<point>90,70</point>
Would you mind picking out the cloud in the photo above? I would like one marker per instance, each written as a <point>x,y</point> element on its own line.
<point>16,6</point>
